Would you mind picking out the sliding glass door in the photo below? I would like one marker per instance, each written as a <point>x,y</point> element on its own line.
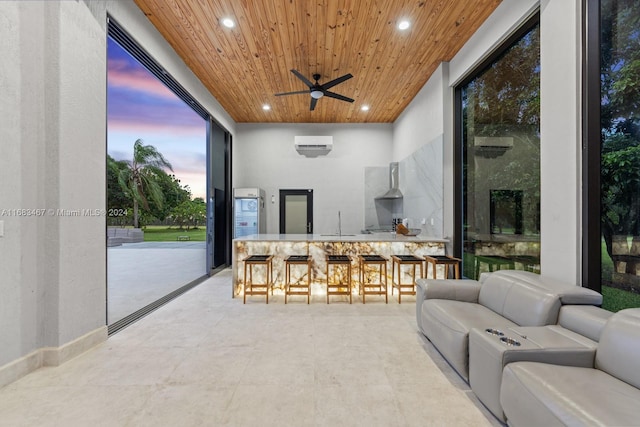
<point>168,185</point>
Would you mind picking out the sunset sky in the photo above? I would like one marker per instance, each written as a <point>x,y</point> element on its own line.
<point>139,106</point>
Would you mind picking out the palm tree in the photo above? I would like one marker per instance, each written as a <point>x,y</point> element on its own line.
<point>139,179</point>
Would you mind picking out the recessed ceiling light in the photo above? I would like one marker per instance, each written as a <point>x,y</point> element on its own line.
<point>266,107</point>
<point>228,22</point>
<point>404,24</point>
<point>365,108</point>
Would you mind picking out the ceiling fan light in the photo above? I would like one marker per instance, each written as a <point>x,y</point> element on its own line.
<point>317,94</point>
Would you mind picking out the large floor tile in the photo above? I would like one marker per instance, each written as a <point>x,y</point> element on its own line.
<point>207,359</point>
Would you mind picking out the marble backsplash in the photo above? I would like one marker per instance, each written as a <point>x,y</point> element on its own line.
<point>421,183</point>
<point>379,213</point>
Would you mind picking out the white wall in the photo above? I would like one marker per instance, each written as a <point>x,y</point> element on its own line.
<point>264,156</point>
<point>18,177</point>
<point>423,119</point>
<point>53,114</point>
<point>560,139</point>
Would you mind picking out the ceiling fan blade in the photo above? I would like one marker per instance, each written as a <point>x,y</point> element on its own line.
<point>337,96</point>
<point>314,101</point>
<point>292,93</point>
<point>334,82</point>
<point>303,78</point>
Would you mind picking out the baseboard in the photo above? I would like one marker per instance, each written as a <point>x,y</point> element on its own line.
<point>17,369</point>
<point>50,356</point>
<point>54,356</point>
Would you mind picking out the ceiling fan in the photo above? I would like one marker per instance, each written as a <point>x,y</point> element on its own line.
<point>317,91</point>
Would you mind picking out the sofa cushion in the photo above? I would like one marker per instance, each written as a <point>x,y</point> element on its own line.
<point>447,324</point>
<point>619,346</point>
<point>551,395</point>
<point>586,320</point>
<point>519,301</point>
<point>568,292</point>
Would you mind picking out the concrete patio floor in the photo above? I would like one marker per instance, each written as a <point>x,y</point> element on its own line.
<point>140,273</point>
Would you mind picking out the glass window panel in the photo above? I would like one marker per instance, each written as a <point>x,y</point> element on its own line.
<point>620,151</point>
<point>296,218</point>
<point>501,161</point>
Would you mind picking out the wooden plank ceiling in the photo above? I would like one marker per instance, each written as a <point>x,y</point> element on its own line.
<point>243,67</point>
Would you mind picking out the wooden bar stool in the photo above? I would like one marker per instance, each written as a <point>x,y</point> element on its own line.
<point>300,287</point>
<point>404,260</point>
<point>339,287</point>
<point>445,260</point>
<point>261,288</point>
<point>529,263</point>
<point>369,288</point>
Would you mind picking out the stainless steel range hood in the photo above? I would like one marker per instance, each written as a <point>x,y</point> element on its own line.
<point>393,192</point>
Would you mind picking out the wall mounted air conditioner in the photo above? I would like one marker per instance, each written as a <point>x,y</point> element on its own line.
<point>492,146</point>
<point>313,146</point>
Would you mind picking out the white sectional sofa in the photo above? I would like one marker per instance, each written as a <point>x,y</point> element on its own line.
<point>604,393</point>
<point>447,309</point>
<point>535,351</point>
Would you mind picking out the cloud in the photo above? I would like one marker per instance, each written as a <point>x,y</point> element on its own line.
<point>136,80</point>
<point>178,131</point>
<point>127,73</point>
<point>127,106</point>
<point>134,95</point>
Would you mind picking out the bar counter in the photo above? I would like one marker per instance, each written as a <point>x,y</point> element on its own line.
<point>318,246</point>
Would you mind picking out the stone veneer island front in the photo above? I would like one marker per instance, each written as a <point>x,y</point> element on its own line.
<point>318,246</point>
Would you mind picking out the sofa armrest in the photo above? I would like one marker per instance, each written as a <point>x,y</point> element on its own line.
<point>452,289</point>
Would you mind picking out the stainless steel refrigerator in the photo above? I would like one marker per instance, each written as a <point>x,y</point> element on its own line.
<point>248,212</point>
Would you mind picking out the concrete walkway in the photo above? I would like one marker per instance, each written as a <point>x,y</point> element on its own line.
<point>140,273</point>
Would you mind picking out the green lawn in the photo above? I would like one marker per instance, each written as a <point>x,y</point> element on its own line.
<point>617,299</point>
<point>162,233</point>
